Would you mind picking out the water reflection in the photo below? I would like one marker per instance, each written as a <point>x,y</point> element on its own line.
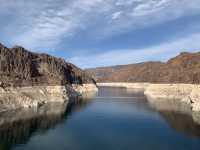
<point>182,123</point>
<point>116,119</point>
<point>119,92</point>
<point>16,127</point>
<point>179,116</point>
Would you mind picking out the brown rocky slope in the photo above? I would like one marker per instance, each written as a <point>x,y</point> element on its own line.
<point>19,67</point>
<point>185,68</point>
<point>30,79</point>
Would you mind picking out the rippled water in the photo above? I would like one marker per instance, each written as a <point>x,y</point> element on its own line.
<point>117,119</point>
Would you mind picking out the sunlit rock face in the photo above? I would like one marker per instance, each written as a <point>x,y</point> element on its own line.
<point>29,79</point>
<point>19,67</point>
<point>185,93</point>
<point>85,88</point>
<point>183,68</point>
<point>34,96</point>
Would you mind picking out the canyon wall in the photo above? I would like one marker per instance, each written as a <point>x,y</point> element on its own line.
<point>30,79</point>
<point>178,78</point>
<point>185,93</point>
<point>184,68</point>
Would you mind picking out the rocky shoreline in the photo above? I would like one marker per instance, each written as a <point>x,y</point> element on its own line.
<point>35,96</point>
<point>29,79</point>
<point>184,93</point>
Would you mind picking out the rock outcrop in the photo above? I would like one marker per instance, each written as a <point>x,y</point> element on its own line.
<point>186,93</point>
<point>184,68</point>
<point>30,79</point>
<point>19,67</point>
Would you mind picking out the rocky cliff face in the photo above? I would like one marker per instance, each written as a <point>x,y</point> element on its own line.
<point>29,79</point>
<point>184,68</point>
<point>19,67</point>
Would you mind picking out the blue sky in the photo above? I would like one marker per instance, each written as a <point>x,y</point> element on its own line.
<point>92,33</point>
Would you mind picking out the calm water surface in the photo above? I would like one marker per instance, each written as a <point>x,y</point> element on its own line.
<point>116,119</point>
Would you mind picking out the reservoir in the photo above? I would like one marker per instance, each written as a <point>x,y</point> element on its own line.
<point>116,119</point>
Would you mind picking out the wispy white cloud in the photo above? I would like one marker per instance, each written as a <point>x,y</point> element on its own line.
<point>127,56</point>
<point>150,7</point>
<point>116,15</point>
<point>44,24</point>
<point>138,14</point>
<point>49,22</point>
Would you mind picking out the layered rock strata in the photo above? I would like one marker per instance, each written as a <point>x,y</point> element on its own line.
<point>184,68</point>
<point>30,79</point>
<point>186,93</point>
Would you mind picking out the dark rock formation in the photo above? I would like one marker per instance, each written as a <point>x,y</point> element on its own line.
<point>184,68</point>
<point>19,67</point>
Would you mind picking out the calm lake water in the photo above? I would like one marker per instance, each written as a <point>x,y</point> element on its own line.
<point>117,119</point>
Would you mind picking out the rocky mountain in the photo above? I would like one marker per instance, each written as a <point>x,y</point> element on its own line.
<point>185,68</point>
<point>19,67</point>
